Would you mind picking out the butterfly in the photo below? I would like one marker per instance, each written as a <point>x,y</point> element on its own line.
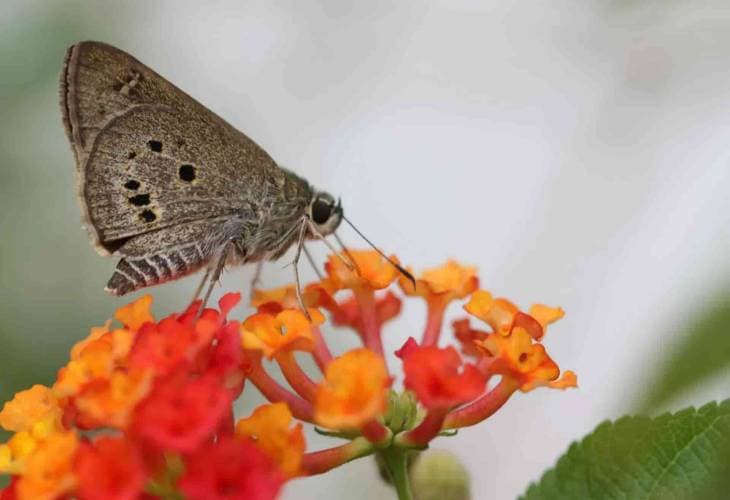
<point>171,188</point>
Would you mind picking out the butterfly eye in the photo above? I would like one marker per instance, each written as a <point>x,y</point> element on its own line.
<point>321,211</point>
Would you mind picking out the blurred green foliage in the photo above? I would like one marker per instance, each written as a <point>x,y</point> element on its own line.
<point>45,270</point>
<point>701,354</point>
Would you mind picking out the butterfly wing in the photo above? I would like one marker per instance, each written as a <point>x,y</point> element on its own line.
<point>150,158</point>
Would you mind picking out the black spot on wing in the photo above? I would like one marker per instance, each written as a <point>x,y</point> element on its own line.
<point>148,216</point>
<point>187,173</point>
<point>155,146</point>
<point>140,200</point>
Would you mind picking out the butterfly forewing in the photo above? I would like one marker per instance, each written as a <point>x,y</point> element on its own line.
<point>149,156</point>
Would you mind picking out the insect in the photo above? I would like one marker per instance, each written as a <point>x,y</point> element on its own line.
<point>171,188</point>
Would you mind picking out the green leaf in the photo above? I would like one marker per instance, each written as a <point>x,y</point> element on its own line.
<point>703,352</point>
<point>673,456</point>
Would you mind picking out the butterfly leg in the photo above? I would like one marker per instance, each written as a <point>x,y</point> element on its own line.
<point>257,276</point>
<point>220,264</point>
<point>300,245</point>
<point>311,262</point>
<point>201,284</point>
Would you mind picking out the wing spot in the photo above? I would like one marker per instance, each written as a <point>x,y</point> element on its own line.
<point>131,155</point>
<point>187,173</point>
<point>148,215</point>
<point>140,200</point>
<point>155,146</point>
<point>132,184</point>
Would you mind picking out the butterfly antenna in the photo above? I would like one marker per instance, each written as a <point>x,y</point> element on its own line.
<point>400,268</point>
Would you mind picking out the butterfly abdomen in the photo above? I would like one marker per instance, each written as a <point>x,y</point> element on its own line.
<point>134,273</point>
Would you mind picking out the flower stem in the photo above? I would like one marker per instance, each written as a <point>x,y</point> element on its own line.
<point>274,392</point>
<point>322,355</point>
<point>436,310</point>
<point>298,380</point>
<point>319,462</point>
<point>370,323</point>
<point>396,460</point>
<point>425,432</point>
<point>482,408</point>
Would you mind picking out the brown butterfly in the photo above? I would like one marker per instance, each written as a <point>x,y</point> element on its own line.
<point>169,186</point>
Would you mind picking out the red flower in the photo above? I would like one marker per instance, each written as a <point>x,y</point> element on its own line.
<point>110,468</point>
<point>409,347</point>
<point>468,337</point>
<point>230,469</point>
<point>434,375</point>
<point>179,339</point>
<point>348,312</point>
<point>182,412</point>
<point>9,493</point>
<point>227,355</point>
<point>164,346</point>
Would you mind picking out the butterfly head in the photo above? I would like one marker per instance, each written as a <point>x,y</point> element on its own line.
<point>325,212</point>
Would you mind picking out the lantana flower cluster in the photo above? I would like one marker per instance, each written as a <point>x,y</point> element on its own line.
<point>144,408</point>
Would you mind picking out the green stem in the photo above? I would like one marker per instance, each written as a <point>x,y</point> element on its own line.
<point>396,460</point>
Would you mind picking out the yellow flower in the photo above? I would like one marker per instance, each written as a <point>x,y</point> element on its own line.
<point>353,392</point>
<point>136,314</point>
<point>48,470</point>
<point>372,271</point>
<point>35,410</point>
<point>269,428</point>
<point>14,452</point>
<point>290,330</point>
<point>444,283</point>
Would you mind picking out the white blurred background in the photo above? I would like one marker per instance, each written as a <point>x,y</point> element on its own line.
<point>577,152</point>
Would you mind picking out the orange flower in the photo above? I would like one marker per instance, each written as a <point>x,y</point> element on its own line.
<point>445,283</point>
<point>285,296</point>
<point>48,471</point>
<point>14,452</point>
<point>497,313</point>
<point>290,330</point>
<point>109,402</point>
<point>94,357</point>
<point>34,415</point>
<point>136,314</point>
<point>269,429</point>
<point>373,271</point>
<point>354,390</point>
<point>546,315</point>
<point>514,342</point>
<point>35,410</point>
